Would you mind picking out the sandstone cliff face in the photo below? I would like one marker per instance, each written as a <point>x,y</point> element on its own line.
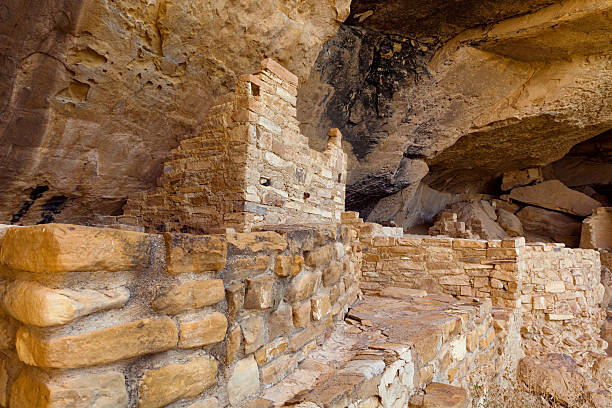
<point>460,105</point>
<point>95,93</point>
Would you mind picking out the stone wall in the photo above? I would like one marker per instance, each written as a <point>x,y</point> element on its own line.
<point>561,298</point>
<point>597,229</point>
<point>126,319</point>
<point>557,290</point>
<point>251,166</point>
<point>399,346</point>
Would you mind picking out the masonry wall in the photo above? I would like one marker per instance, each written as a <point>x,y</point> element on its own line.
<point>127,319</point>
<point>597,229</point>
<point>561,298</point>
<point>250,167</point>
<point>556,290</point>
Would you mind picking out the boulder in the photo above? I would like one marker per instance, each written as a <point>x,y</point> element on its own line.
<point>510,223</point>
<point>556,377</point>
<point>544,225</point>
<point>554,195</point>
<point>414,205</point>
<point>519,178</point>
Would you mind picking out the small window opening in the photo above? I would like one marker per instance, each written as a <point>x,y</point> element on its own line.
<point>339,177</point>
<point>254,89</point>
<point>306,196</point>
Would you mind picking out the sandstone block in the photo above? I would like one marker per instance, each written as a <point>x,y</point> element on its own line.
<point>518,178</point>
<point>254,332</point>
<point>301,314</point>
<point>554,195</point>
<point>211,402</point>
<point>558,316</point>
<point>320,306</point>
<point>234,342</point>
<point>303,286</point>
<point>165,385</point>
<point>539,302</point>
<point>270,351</point>
<point>258,241</point>
<point>244,380</point>
<point>444,396</point>
<point>427,342</point>
<point>401,293</point>
<point>194,253</point>
<point>188,296</point>
<point>259,292</point>
<point>82,391</point>
<point>280,321</point>
<point>37,305</point>
<point>319,257</point>
<point>555,287</point>
<point>332,274</point>
<point>97,347</point>
<point>208,330</point>
<point>235,299</point>
<point>457,280</point>
<point>53,248</point>
<point>282,267</point>
<point>300,339</point>
<point>7,334</point>
<point>276,370</point>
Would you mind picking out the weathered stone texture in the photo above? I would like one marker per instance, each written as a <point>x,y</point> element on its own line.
<point>99,346</point>
<point>84,391</point>
<point>37,305</point>
<point>207,330</point>
<point>95,94</point>
<point>67,248</point>
<point>190,295</point>
<point>165,385</point>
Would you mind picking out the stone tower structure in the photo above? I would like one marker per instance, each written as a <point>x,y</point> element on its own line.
<point>251,166</point>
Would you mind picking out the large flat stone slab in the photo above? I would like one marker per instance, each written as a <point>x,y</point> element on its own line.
<point>554,195</point>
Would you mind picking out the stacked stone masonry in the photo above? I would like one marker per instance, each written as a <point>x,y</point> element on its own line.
<point>399,347</point>
<point>97,317</point>
<point>250,167</point>
<point>556,290</point>
<point>282,299</point>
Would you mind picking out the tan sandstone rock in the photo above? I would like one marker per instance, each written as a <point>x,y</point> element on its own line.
<point>165,385</point>
<point>208,330</point>
<point>190,253</point>
<point>68,248</point>
<point>82,391</point>
<point>189,295</point>
<point>510,223</point>
<point>439,395</point>
<point>97,347</point>
<point>37,305</point>
<point>554,195</point>
<point>244,380</point>
<point>540,224</point>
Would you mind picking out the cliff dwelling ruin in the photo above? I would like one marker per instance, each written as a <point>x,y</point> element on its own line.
<point>308,204</point>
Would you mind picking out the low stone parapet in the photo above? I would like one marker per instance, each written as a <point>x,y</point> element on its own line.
<point>123,318</point>
<point>555,290</point>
